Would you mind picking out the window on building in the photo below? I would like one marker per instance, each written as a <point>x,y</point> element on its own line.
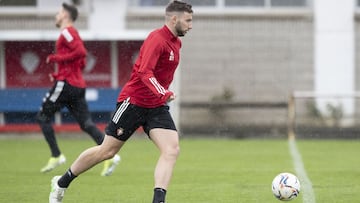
<point>252,3</point>
<point>17,2</point>
<point>203,2</point>
<point>288,3</point>
<point>153,2</point>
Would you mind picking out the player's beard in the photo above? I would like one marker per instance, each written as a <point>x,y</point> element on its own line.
<point>179,31</point>
<point>58,23</point>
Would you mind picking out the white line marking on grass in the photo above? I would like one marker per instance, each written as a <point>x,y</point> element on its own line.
<point>306,185</point>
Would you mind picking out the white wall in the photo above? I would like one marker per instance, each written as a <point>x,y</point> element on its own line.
<point>107,15</point>
<point>334,51</point>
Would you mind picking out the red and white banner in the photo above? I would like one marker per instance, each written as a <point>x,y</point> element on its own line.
<point>97,72</point>
<point>127,54</point>
<point>25,63</point>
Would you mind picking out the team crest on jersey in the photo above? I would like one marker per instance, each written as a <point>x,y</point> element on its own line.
<point>172,56</point>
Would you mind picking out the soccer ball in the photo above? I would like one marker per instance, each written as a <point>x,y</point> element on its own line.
<point>285,186</point>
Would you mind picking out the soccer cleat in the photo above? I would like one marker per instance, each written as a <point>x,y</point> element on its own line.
<point>110,165</point>
<point>56,193</point>
<point>53,163</point>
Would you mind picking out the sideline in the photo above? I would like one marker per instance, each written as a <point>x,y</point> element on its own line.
<point>306,188</point>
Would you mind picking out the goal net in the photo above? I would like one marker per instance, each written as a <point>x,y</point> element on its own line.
<point>319,115</point>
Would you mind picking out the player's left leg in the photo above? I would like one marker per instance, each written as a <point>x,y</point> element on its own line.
<point>161,129</point>
<point>167,141</point>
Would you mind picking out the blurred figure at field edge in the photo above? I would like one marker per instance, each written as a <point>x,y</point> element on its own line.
<point>68,90</point>
<point>142,102</point>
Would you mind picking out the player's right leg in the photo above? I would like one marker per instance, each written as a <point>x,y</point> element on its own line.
<point>123,124</point>
<point>79,109</point>
<point>51,104</point>
<point>84,162</point>
<point>97,154</point>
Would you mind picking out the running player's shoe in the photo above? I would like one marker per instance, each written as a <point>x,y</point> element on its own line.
<point>110,165</point>
<point>53,163</point>
<point>56,193</point>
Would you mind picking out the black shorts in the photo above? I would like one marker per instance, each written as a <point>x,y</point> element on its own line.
<point>61,95</point>
<point>128,118</point>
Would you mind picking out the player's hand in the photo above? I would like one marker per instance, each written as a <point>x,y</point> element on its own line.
<point>168,97</point>
<point>51,77</point>
<point>172,97</point>
<point>51,58</point>
<point>48,59</point>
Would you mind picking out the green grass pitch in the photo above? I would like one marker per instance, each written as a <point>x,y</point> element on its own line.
<point>207,171</point>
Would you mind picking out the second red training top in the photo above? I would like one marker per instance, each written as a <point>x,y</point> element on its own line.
<point>70,57</point>
<point>153,70</point>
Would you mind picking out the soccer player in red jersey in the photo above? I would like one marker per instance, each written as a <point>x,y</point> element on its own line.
<point>68,89</point>
<point>142,102</point>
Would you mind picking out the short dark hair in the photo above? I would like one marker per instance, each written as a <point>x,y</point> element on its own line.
<point>179,6</point>
<point>72,11</point>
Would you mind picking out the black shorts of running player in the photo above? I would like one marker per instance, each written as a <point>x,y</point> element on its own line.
<point>62,94</point>
<point>128,118</point>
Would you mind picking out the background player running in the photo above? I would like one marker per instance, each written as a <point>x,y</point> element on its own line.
<point>68,89</point>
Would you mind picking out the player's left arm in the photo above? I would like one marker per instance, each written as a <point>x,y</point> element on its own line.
<point>150,56</point>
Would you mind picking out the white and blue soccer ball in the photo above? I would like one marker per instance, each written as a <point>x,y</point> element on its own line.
<point>285,186</point>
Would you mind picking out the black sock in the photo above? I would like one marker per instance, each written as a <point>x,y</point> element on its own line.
<point>159,195</point>
<point>66,179</point>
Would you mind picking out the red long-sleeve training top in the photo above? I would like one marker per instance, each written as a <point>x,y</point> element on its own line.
<point>70,56</point>
<point>153,70</point>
